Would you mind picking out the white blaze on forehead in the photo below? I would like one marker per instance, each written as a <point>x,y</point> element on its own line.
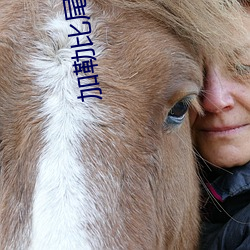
<point>62,206</point>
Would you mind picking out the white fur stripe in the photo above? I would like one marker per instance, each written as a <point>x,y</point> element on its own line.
<point>62,206</point>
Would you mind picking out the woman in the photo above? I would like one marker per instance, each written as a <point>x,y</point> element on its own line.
<point>222,139</point>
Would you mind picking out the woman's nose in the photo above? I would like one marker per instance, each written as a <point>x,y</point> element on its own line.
<point>217,93</point>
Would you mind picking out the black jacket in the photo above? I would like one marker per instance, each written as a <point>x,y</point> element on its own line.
<point>226,211</point>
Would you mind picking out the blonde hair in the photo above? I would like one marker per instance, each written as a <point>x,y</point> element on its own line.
<point>208,25</point>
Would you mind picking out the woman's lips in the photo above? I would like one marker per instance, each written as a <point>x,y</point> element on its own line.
<point>225,130</point>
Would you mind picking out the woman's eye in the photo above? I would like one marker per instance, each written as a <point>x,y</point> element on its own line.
<point>242,69</point>
<point>177,113</point>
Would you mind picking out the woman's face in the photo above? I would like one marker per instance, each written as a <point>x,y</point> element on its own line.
<point>222,136</point>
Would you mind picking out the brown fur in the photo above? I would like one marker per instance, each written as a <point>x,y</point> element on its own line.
<point>143,172</point>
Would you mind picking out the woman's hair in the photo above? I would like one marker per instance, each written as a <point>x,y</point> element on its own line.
<point>208,25</point>
<point>244,2</point>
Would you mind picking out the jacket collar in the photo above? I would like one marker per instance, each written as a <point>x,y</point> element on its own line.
<point>229,183</point>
